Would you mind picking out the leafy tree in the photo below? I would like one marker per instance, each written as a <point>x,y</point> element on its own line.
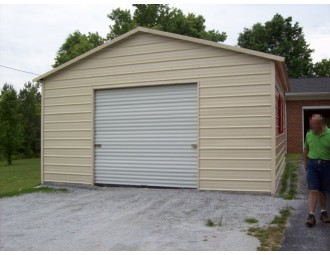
<point>75,45</point>
<point>161,17</point>
<point>322,68</point>
<point>156,16</point>
<point>30,109</point>
<point>280,37</point>
<point>123,22</point>
<point>10,130</point>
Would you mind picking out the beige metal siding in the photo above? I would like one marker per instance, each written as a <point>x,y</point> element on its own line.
<point>234,108</point>
<point>235,132</point>
<point>67,135</point>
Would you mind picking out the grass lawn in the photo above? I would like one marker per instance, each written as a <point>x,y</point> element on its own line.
<point>21,177</point>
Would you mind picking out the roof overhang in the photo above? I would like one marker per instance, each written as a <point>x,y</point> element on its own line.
<point>307,96</point>
<point>282,74</point>
<point>278,60</point>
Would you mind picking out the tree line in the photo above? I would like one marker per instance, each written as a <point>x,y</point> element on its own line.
<point>278,36</point>
<point>20,121</point>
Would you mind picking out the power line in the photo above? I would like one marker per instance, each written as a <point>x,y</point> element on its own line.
<point>18,70</point>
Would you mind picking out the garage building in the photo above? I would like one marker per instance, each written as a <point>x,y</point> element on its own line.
<point>152,108</point>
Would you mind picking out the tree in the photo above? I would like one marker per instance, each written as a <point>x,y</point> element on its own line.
<point>30,109</point>
<point>10,130</point>
<point>156,16</point>
<point>123,23</point>
<point>280,37</point>
<point>322,68</point>
<point>161,17</point>
<point>75,45</point>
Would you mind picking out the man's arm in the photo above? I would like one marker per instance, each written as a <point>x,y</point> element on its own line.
<point>305,158</point>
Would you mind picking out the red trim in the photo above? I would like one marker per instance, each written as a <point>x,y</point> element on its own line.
<point>280,114</point>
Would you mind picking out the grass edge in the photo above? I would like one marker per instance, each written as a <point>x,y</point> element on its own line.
<point>271,237</point>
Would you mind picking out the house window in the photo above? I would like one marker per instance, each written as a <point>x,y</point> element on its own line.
<point>280,114</point>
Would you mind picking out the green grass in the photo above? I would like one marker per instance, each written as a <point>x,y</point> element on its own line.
<point>251,220</point>
<point>271,237</point>
<point>294,156</point>
<point>289,180</point>
<point>211,223</point>
<point>21,177</point>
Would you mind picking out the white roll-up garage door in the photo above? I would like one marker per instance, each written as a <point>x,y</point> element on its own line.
<point>146,136</point>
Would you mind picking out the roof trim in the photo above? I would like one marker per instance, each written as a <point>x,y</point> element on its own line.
<point>160,33</point>
<point>307,96</point>
<point>283,74</point>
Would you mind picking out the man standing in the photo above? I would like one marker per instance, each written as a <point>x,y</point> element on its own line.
<point>317,165</point>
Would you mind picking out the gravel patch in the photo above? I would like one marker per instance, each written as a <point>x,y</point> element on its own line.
<point>134,219</point>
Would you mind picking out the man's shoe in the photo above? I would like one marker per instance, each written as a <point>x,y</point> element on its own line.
<point>324,217</point>
<point>311,220</point>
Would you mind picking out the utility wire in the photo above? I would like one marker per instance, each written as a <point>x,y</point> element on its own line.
<point>18,70</point>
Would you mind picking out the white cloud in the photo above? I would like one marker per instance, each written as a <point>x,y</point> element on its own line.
<point>319,39</point>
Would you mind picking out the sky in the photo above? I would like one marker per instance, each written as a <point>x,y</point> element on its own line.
<point>31,34</point>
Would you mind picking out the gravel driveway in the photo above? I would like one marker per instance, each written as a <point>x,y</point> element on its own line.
<point>133,219</point>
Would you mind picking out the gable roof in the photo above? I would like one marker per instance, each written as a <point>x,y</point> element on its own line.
<point>278,60</point>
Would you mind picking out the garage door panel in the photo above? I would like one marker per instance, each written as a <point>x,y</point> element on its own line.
<point>145,136</point>
<point>154,163</point>
<point>150,121</point>
<point>139,132</point>
<point>168,168</point>
<point>141,153</point>
<point>152,183</point>
<point>141,125</point>
<point>121,110</point>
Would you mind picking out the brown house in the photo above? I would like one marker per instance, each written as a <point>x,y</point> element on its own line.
<point>306,96</point>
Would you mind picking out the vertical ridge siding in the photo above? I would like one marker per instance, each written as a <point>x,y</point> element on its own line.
<point>234,107</point>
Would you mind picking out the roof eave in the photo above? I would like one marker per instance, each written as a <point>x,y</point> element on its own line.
<point>284,76</point>
<point>307,96</point>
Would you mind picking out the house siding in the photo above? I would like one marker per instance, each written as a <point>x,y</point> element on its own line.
<point>234,99</point>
